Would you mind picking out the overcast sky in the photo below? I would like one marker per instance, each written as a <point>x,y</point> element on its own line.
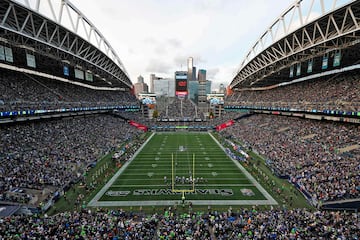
<point>157,36</point>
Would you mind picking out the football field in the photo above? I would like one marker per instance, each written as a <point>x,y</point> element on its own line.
<point>170,167</point>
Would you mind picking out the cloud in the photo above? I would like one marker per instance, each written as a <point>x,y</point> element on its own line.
<point>163,47</point>
<point>152,36</point>
<point>222,75</point>
<point>211,73</point>
<point>175,43</point>
<point>180,60</point>
<point>157,66</point>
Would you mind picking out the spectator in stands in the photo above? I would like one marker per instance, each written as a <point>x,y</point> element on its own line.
<point>322,158</point>
<point>339,92</point>
<point>51,154</point>
<point>232,224</point>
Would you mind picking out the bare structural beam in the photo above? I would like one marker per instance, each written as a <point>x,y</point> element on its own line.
<point>28,21</point>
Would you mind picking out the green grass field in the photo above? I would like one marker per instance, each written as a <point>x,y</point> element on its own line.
<point>171,163</point>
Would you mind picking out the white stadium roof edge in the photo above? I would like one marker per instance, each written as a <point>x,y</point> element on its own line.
<point>67,15</point>
<point>296,16</point>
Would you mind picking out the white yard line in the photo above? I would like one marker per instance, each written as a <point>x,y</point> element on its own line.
<point>95,201</point>
<point>250,177</point>
<point>270,200</point>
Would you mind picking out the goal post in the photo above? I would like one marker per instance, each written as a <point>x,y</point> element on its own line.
<point>183,191</point>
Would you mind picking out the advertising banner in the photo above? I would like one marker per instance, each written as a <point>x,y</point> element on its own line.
<point>138,125</point>
<point>224,125</point>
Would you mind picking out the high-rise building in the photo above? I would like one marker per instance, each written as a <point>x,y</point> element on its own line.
<point>140,79</point>
<point>202,100</point>
<point>152,78</point>
<point>191,70</point>
<point>140,86</point>
<point>193,90</point>
<point>202,75</point>
<point>222,88</point>
<point>208,87</point>
<point>164,87</point>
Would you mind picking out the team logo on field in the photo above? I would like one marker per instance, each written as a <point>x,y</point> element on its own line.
<point>247,192</point>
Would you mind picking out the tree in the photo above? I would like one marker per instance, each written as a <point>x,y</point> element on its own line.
<point>155,114</point>
<point>211,115</point>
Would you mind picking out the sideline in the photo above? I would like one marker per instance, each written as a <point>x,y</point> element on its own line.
<point>95,201</point>
<point>271,200</point>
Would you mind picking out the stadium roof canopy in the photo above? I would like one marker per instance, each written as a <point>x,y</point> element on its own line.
<point>305,32</point>
<point>59,30</point>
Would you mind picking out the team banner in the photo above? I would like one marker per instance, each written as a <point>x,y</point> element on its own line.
<point>2,53</point>
<point>89,76</point>
<point>291,71</point>
<point>79,74</point>
<point>337,59</point>
<point>66,71</point>
<point>298,69</point>
<point>30,60</point>
<point>310,66</point>
<point>325,62</point>
<point>138,125</point>
<point>9,55</point>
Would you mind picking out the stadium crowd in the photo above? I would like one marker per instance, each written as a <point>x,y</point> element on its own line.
<point>321,157</point>
<point>180,108</point>
<point>171,224</point>
<point>26,92</point>
<point>50,154</point>
<point>336,93</point>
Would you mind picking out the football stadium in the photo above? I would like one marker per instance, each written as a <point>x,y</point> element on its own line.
<point>85,154</point>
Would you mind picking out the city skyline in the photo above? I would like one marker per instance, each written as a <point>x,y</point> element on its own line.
<point>157,36</point>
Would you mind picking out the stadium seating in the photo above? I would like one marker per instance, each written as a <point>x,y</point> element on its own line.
<point>23,92</point>
<point>179,108</point>
<point>39,158</point>
<point>322,158</point>
<point>339,92</point>
<point>31,156</point>
<point>237,223</point>
<point>51,154</point>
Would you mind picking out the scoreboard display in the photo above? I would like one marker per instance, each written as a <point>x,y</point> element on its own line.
<point>215,99</point>
<point>147,99</point>
<point>181,84</point>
